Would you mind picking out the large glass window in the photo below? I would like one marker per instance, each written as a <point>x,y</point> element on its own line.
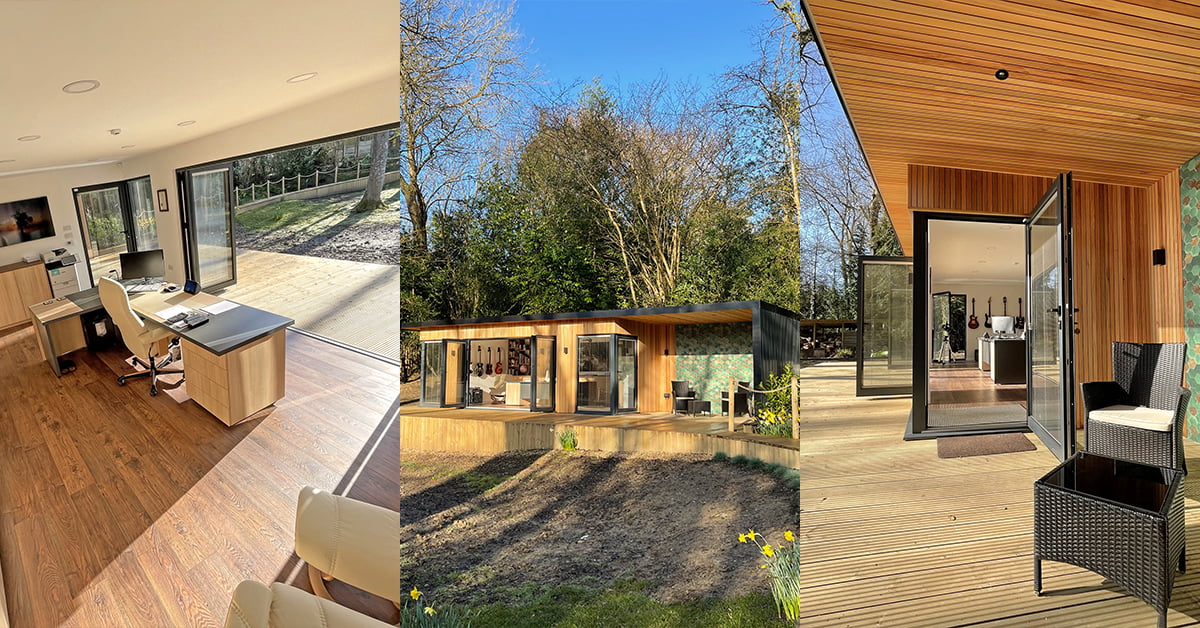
<point>626,374</point>
<point>431,373</point>
<point>885,359</point>
<point>115,218</point>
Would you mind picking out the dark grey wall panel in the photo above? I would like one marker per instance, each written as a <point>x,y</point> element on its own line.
<point>776,340</point>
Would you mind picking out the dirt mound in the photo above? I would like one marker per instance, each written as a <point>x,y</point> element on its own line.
<point>591,518</point>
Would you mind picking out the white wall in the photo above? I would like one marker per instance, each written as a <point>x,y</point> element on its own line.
<point>371,105</point>
<point>980,292</point>
<point>56,185</point>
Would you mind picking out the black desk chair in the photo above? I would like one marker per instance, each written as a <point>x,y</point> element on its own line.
<point>140,338</point>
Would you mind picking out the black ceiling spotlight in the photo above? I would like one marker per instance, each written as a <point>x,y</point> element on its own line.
<point>1001,74</point>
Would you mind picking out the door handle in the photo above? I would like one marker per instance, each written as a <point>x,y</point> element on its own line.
<point>1055,310</point>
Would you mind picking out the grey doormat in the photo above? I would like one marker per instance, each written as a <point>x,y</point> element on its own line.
<point>975,415</point>
<point>985,445</point>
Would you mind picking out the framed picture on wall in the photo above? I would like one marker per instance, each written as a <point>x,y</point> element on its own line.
<point>25,220</point>
<point>162,200</point>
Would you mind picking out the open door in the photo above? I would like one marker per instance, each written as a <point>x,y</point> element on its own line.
<point>1049,337</point>
<point>455,393</point>
<point>885,326</point>
<point>207,221</point>
<point>544,368</point>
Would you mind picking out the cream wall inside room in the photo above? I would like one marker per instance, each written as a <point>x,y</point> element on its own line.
<point>980,292</point>
<point>56,185</point>
<point>371,105</point>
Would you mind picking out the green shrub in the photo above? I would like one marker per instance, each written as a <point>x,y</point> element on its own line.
<point>740,460</point>
<point>568,440</point>
<point>774,414</point>
<point>721,456</point>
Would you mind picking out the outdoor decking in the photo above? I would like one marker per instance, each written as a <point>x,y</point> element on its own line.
<point>895,536</point>
<point>482,430</point>
<point>351,302</point>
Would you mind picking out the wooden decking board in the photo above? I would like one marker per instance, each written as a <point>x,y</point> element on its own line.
<point>894,536</point>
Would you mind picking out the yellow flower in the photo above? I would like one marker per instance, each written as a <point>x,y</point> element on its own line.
<point>762,566</point>
<point>429,611</point>
<point>414,594</point>
<point>752,534</point>
<point>741,538</point>
<point>767,550</point>
<point>789,536</point>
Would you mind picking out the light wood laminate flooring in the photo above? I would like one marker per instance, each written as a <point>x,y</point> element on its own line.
<point>122,509</point>
<point>963,384</point>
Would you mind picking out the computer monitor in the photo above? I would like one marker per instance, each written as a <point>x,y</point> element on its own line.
<point>143,265</point>
<point>1002,324</point>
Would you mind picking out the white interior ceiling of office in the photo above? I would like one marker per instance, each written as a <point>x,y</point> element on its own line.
<point>220,63</point>
<point>976,252</point>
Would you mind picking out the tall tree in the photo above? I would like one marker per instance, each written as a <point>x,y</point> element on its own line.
<point>459,66</point>
<point>372,195</point>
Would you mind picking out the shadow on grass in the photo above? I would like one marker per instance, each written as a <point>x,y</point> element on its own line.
<point>463,485</point>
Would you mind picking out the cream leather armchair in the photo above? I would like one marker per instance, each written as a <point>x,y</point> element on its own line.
<point>256,605</point>
<point>352,541</point>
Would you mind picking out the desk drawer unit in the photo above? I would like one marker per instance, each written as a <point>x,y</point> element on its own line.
<point>238,384</point>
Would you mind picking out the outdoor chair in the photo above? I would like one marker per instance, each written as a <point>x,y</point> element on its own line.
<point>741,400</point>
<point>681,394</point>
<point>1139,415</point>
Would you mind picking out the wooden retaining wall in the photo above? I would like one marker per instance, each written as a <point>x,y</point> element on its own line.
<point>485,436</point>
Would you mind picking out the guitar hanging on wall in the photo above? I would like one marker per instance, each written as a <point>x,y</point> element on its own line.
<point>1019,324</point>
<point>974,322</point>
<point>488,370</point>
<point>987,318</point>
<point>479,364</point>
<point>499,362</point>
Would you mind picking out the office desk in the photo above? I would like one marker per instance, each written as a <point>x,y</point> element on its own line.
<point>234,363</point>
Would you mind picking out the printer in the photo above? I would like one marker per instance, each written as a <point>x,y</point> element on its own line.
<point>57,258</point>
<point>60,269</point>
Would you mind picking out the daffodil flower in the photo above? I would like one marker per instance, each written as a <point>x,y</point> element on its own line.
<point>414,594</point>
<point>768,550</point>
<point>752,534</point>
<point>430,611</point>
<point>789,536</point>
<point>741,538</point>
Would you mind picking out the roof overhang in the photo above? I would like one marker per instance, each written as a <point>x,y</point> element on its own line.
<point>732,312</point>
<point>1105,89</point>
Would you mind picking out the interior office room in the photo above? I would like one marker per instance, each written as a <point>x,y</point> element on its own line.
<point>146,501</point>
<point>976,312</point>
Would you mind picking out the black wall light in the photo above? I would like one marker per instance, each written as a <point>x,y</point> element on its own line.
<point>1001,74</point>
<point>1159,256</point>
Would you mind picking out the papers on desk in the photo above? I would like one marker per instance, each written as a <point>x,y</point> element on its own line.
<point>172,311</point>
<point>218,307</point>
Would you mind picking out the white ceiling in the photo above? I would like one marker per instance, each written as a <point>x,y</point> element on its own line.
<point>976,252</point>
<point>159,62</point>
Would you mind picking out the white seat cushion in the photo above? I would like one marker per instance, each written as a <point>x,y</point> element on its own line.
<point>1135,416</point>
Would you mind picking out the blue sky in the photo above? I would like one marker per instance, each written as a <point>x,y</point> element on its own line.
<point>634,41</point>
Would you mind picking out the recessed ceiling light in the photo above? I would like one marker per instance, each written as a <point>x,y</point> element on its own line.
<point>80,87</point>
<point>1001,74</point>
<point>300,78</point>
<point>982,261</point>
<point>28,138</point>
<point>186,123</point>
<point>128,146</point>
<point>991,248</point>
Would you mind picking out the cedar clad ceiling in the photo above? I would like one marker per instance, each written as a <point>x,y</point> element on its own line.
<point>1108,89</point>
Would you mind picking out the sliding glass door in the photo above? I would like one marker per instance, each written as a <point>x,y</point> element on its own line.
<point>444,373</point>
<point>208,226</point>
<point>115,218</point>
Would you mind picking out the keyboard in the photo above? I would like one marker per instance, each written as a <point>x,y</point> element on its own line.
<point>143,287</point>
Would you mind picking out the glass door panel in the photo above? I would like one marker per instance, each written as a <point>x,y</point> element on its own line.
<point>102,219</point>
<point>593,388</point>
<point>141,214</point>
<point>941,327</point>
<point>1049,325</point>
<point>455,374</point>
<point>885,310</point>
<point>212,259</point>
<point>626,373</point>
<point>543,373</point>
<point>431,374</point>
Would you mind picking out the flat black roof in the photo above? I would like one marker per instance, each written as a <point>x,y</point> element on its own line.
<point>645,311</point>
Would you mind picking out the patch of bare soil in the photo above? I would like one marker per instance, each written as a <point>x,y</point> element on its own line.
<point>591,518</point>
<point>410,391</point>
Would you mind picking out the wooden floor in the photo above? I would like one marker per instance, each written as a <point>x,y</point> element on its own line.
<point>961,385</point>
<point>351,302</point>
<point>121,509</point>
<point>895,536</point>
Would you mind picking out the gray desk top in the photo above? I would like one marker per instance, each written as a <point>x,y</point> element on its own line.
<point>222,333</point>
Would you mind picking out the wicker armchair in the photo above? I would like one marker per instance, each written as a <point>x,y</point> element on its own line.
<point>1139,416</point>
<point>681,394</point>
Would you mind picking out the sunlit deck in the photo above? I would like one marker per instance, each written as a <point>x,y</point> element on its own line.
<point>893,535</point>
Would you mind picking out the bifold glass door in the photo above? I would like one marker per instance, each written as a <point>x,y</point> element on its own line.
<point>607,374</point>
<point>115,218</point>
<point>544,367</point>
<point>885,330</point>
<point>208,226</point>
<point>444,373</point>
<point>1049,327</point>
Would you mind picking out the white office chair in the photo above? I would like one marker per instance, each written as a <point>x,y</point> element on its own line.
<point>141,339</point>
